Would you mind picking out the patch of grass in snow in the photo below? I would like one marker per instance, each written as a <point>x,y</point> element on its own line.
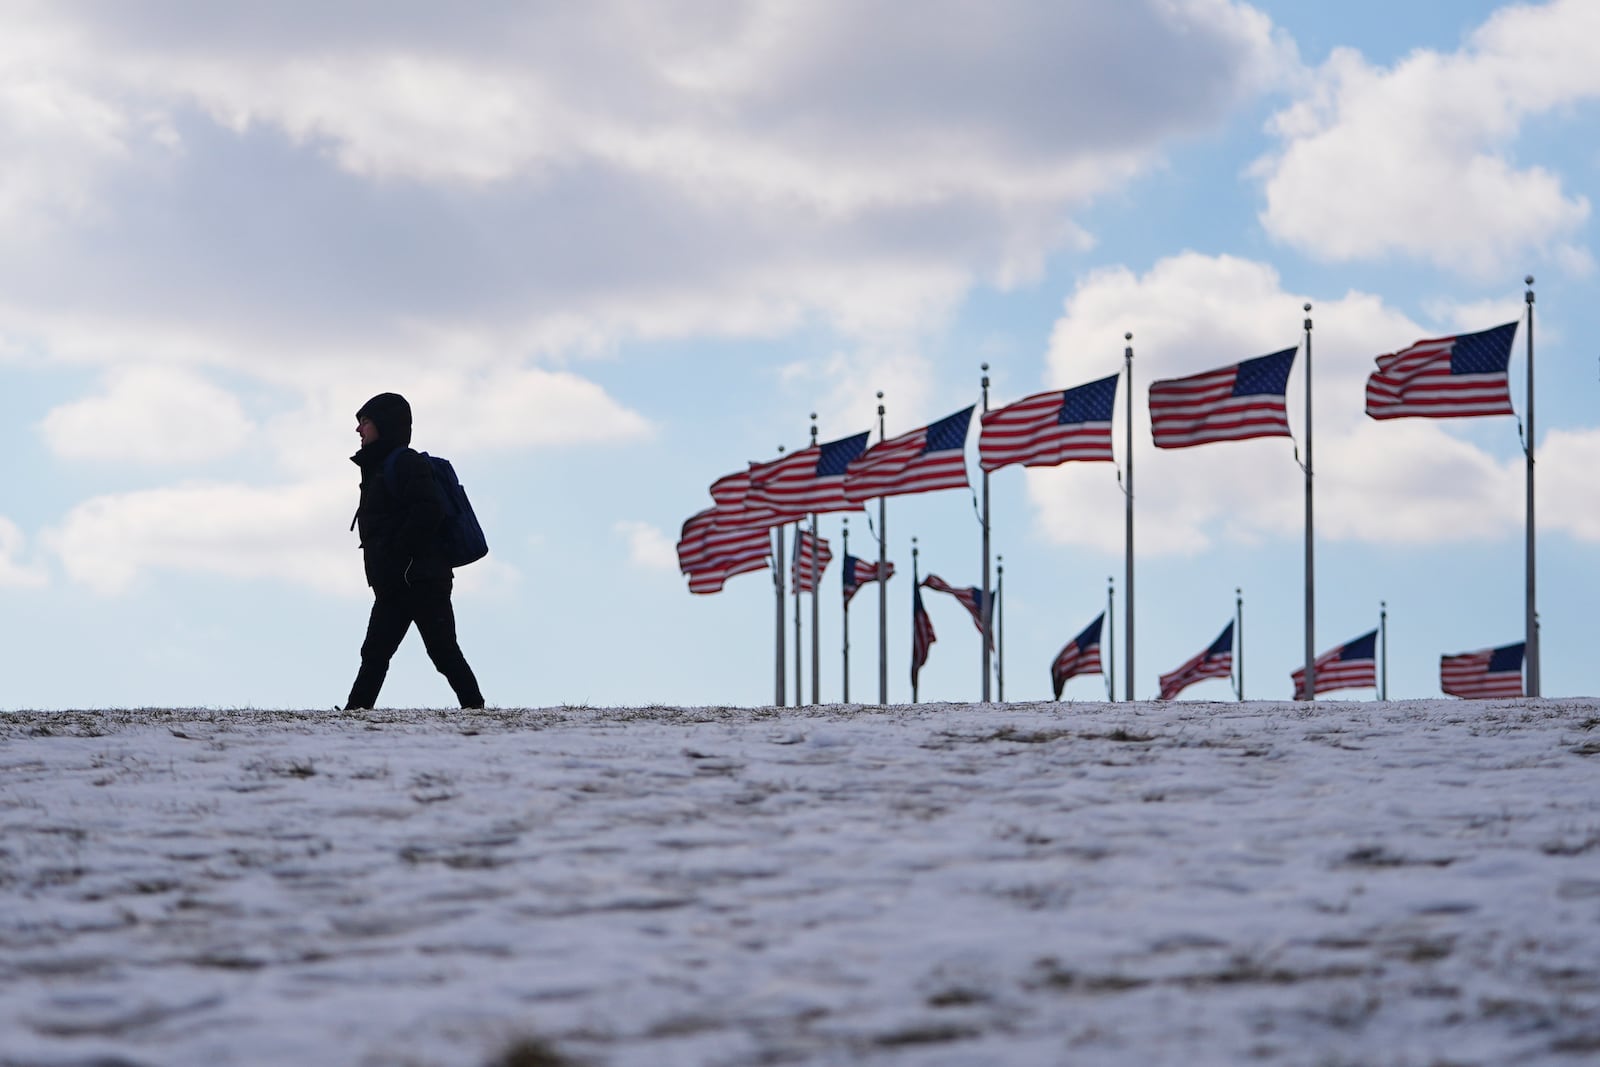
<point>532,1052</point>
<point>926,1034</point>
<point>1376,856</point>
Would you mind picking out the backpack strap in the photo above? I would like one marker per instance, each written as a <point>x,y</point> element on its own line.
<point>390,477</point>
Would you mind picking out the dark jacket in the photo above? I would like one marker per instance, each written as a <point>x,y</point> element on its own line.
<point>399,529</point>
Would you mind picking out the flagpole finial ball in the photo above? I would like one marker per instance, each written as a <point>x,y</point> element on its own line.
<point>1127,336</point>
<point>1529,279</point>
<point>1308,305</point>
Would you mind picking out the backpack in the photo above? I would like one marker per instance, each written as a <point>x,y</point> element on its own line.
<point>461,539</point>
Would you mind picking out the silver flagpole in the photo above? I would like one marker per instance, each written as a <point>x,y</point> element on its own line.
<point>1108,633</point>
<point>844,614</point>
<point>987,604</point>
<point>1238,636</point>
<point>883,582</point>
<point>1127,593</point>
<point>1000,628</point>
<point>777,586</point>
<point>816,582</point>
<point>1532,620</point>
<point>1383,649</point>
<point>1311,572</point>
<point>799,654</point>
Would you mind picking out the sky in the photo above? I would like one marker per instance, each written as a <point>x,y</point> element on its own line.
<point>614,251</point>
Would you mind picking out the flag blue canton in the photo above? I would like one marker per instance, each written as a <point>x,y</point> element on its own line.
<point>1488,352</point>
<point>1089,403</point>
<point>1365,647</point>
<point>1091,633</point>
<point>1507,658</point>
<point>949,432</point>
<point>1224,643</point>
<point>837,455</point>
<point>1265,374</point>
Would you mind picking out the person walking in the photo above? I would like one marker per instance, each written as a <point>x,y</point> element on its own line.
<point>399,519</point>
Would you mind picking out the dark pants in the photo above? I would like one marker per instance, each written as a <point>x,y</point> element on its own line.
<point>393,611</point>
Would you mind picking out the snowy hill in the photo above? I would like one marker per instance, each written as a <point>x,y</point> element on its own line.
<point>1338,882</point>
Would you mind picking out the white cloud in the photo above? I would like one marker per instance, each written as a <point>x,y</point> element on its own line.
<point>648,547</point>
<point>1564,481</point>
<point>594,172</point>
<point>295,534</point>
<point>14,572</point>
<point>149,415</point>
<point>1419,159</point>
<point>1409,481</point>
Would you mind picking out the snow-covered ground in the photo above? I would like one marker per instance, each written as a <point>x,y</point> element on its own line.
<point>1339,883</point>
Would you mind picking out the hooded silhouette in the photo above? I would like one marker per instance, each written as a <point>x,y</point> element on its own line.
<point>410,580</point>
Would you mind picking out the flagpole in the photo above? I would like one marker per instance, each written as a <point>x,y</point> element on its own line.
<point>883,582</point>
<point>777,586</point>
<point>1532,620</point>
<point>1000,627</point>
<point>844,614</point>
<point>816,615</point>
<point>1383,644</point>
<point>915,581</point>
<point>1110,629</point>
<point>1311,573</point>
<point>799,651</point>
<point>816,634</point>
<point>1127,593</point>
<point>988,603</point>
<point>1238,637</point>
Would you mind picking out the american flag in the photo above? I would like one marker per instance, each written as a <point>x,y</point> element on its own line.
<point>857,572</point>
<point>710,555</point>
<point>1445,378</point>
<point>921,634</point>
<point>812,479</point>
<point>739,505</point>
<point>1488,673</point>
<point>921,461</point>
<point>1231,404</point>
<point>1050,428</point>
<point>971,598</point>
<point>1352,665</point>
<point>1214,662</point>
<point>1081,656</point>
<point>804,546</point>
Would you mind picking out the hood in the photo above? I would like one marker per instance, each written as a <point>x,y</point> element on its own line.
<point>392,415</point>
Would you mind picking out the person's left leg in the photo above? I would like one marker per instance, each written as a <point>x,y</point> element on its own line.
<point>436,622</point>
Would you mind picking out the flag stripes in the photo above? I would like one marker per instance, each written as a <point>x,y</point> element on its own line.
<point>1448,377</point>
<point>1486,674</point>
<point>1215,662</point>
<point>858,572</point>
<point>971,598</point>
<point>921,461</point>
<point>1050,428</point>
<point>1352,665</point>
<point>1231,404</point>
<point>922,635</point>
<point>812,479</point>
<point>1080,656</point>
<point>805,546</point>
<point>710,555</point>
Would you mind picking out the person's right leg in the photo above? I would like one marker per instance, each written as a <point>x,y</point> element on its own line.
<point>386,628</point>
